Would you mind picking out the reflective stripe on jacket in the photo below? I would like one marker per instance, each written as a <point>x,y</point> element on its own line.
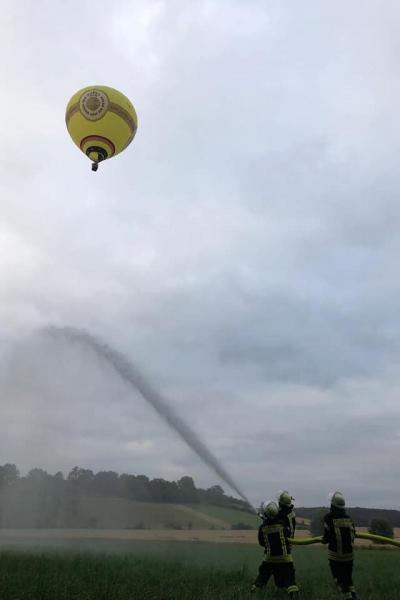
<point>339,533</point>
<point>273,536</point>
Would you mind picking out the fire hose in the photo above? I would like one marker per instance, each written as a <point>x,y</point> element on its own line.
<point>363,536</point>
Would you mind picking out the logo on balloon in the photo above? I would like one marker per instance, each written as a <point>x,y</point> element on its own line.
<point>93,104</point>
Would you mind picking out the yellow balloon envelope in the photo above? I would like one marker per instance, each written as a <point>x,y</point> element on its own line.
<point>101,121</point>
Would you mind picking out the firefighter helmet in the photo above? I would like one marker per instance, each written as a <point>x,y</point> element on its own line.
<point>285,499</point>
<point>337,500</point>
<point>270,509</point>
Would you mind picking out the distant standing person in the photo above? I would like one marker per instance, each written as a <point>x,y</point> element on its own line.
<point>273,536</point>
<point>339,534</point>
<point>286,511</point>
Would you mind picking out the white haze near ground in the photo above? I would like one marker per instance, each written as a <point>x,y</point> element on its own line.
<point>243,251</point>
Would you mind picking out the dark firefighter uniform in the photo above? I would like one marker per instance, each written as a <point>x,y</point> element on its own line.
<point>339,534</point>
<point>273,536</point>
<point>287,514</point>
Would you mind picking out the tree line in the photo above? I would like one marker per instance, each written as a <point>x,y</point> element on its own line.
<point>362,517</point>
<point>39,499</point>
<point>377,525</point>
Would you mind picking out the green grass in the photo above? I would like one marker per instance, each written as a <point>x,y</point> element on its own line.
<point>229,515</point>
<point>178,571</point>
<point>119,513</point>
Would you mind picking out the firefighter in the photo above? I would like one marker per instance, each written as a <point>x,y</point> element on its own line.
<point>286,511</point>
<point>339,534</point>
<point>273,536</point>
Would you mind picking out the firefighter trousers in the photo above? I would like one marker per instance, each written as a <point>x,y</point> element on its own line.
<point>342,573</point>
<point>284,576</point>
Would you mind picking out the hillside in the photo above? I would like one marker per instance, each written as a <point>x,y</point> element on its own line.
<point>228,515</point>
<point>100,512</point>
<point>107,499</point>
<point>119,513</point>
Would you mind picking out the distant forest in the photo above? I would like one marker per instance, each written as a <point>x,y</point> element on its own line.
<point>39,499</point>
<point>361,516</point>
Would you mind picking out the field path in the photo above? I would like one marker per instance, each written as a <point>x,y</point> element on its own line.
<point>171,535</point>
<point>8,536</point>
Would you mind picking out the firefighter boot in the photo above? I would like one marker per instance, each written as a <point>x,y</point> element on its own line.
<point>337,586</point>
<point>293,591</point>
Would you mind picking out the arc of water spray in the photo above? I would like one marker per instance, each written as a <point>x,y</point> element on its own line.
<point>130,373</point>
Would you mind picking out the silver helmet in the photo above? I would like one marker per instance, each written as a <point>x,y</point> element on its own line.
<point>337,500</point>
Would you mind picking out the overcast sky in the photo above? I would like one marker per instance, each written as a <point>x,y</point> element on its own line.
<point>243,251</point>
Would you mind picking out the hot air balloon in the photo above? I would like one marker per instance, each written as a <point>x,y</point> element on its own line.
<point>101,121</point>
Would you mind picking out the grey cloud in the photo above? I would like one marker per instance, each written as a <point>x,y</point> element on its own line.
<point>291,339</point>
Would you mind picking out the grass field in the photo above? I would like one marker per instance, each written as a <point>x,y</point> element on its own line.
<point>118,513</point>
<point>228,516</point>
<point>136,570</point>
